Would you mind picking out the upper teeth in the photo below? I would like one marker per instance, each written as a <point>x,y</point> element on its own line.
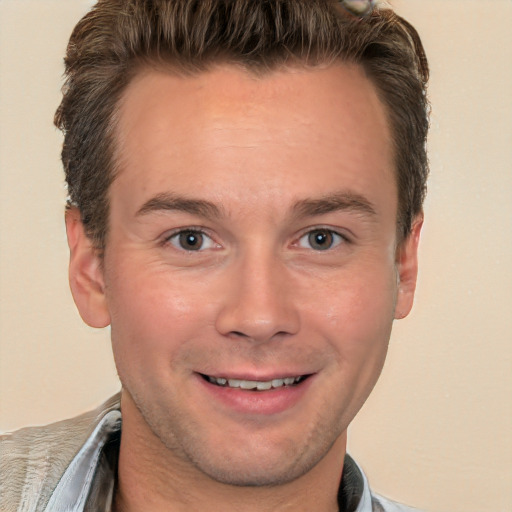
<point>254,384</point>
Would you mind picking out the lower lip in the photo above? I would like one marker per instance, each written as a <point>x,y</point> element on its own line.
<point>269,402</point>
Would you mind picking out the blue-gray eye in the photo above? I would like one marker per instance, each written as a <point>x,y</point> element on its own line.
<point>191,240</point>
<point>320,240</point>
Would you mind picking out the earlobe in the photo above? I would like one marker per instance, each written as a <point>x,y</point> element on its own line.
<point>85,273</point>
<point>407,269</point>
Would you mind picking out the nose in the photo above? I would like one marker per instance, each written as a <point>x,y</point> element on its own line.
<point>258,303</point>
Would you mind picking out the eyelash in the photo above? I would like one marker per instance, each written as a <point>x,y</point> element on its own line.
<point>338,238</point>
<point>195,231</point>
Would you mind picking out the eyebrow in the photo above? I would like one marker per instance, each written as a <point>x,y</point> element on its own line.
<point>344,201</point>
<point>341,201</point>
<point>171,202</point>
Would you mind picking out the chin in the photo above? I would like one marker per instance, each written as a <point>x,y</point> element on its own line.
<point>257,461</point>
<point>257,473</point>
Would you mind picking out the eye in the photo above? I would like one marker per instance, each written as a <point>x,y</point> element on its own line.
<point>191,240</point>
<point>321,239</point>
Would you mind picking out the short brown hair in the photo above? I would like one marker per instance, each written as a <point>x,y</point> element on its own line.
<point>116,37</point>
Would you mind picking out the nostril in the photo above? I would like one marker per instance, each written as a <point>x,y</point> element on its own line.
<point>256,338</point>
<point>250,315</point>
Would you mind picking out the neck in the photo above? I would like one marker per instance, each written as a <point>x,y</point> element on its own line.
<point>152,478</point>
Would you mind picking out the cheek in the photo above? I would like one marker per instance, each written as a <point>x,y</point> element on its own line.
<point>356,312</point>
<point>152,314</point>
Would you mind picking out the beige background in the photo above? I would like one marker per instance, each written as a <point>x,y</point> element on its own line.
<point>437,432</point>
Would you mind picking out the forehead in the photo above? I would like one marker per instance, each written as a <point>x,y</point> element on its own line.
<point>289,128</point>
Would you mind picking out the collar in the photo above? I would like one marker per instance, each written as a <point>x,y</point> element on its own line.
<point>88,482</point>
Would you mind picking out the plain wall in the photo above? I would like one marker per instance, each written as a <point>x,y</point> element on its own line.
<point>437,431</point>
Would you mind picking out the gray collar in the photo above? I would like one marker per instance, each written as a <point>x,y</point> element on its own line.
<point>88,482</point>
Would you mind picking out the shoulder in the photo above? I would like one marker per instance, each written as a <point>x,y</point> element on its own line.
<point>33,459</point>
<point>381,504</point>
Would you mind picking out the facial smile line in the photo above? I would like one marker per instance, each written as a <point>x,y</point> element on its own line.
<point>254,384</point>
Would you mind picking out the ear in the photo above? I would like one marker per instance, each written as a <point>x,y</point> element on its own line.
<point>85,273</point>
<point>407,269</point>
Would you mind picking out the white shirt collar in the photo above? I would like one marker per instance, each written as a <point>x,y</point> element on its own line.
<point>74,488</point>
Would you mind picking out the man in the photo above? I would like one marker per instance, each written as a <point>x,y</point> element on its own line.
<point>245,202</point>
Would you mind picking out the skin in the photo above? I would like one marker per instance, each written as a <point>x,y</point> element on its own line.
<point>260,166</point>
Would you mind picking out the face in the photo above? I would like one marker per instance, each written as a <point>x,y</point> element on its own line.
<point>251,274</point>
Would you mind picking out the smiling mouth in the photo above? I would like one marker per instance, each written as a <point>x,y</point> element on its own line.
<point>255,385</point>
